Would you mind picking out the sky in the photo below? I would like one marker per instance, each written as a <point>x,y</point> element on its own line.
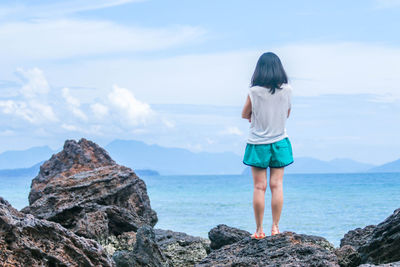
<point>176,73</point>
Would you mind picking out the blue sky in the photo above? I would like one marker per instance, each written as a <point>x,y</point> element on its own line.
<point>176,73</point>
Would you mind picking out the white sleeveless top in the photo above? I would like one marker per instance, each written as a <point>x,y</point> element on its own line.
<point>268,114</point>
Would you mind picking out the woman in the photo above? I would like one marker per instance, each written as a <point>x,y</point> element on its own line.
<point>267,107</point>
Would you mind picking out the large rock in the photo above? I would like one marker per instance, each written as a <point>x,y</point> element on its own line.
<point>145,252</point>
<point>180,248</point>
<point>222,235</point>
<point>28,241</point>
<point>284,249</point>
<point>84,190</point>
<point>376,244</point>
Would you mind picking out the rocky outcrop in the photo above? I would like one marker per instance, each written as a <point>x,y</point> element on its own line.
<point>374,244</point>
<point>28,241</point>
<point>284,249</point>
<point>222,235</point>
<point>180,248</point>
<point>145,252</point>
<point>84,190</point>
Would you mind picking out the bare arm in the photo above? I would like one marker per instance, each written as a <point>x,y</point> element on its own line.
<point>246,113</point>
<point>288,112</point>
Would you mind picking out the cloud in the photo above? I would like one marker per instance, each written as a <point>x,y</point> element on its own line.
<point>99,110</point>
<point>35,82</point>
<point>58,8</point>
<point>65,38</point>
<point>73,104</point>
<point>232,130</point>
<point>130,110</point>
<point>30,106</point>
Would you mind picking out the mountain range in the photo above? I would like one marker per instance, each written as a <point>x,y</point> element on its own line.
<point>149,159</point>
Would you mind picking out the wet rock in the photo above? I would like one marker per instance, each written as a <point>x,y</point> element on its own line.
<point>284,249</point>
<point>222,235</point>
<point>28,241</point>
<point>348,256</point>
<point>180,248</point>
<point>84,190</point>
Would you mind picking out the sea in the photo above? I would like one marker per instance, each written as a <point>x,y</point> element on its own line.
<point>327,205</point>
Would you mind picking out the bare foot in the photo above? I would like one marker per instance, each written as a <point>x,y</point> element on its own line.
<point>274,230</point>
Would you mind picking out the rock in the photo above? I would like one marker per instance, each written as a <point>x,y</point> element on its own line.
<point>180,248</point>
<point>84,190</point>
<point>377,244</point>
<point>357,237</point>
<point>146,252</point>
<point>284,249</point>
<point>222,235</point>
<point>28,241</point>
<point>392,264</point>
<point>348,256</point>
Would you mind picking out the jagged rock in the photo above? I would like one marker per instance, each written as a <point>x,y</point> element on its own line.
<point>222,235</point>
<point>146,251</point>
<point>28,241</point>
<point>284,249</point>
<point>377,244</point>
<point>392,264</point>
<point>180,248</point>
<point>348,256</point>
<point>357,237</point>
<point>84,190</point>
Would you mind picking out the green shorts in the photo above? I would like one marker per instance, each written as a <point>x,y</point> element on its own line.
<point>274,155</point>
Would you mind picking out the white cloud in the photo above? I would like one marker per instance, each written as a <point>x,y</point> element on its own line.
<point>30,106</point>
<point>99,110</point>
<point>73,104</point>
<point>130,110</point>
<point>232,130</point>
<point>63,38</point>
<point>58,8</point>
<point>35,82</point>
<point>223,78</point>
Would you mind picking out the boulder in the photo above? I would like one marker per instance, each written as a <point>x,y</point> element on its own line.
<point>145,252</point>
<point>222,235</point>
<point>284,249</point>
<point>28,241</point>
<point>180,248</point>
<point>376,244</point>
<point>85,191</point>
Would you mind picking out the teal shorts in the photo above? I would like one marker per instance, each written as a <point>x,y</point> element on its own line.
<point>274,155</point>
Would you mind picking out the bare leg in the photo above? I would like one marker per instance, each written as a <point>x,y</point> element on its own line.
<point>260,185</point>
<point>276,186</point>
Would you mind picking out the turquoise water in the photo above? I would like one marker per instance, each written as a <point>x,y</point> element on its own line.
<point>327,205</point>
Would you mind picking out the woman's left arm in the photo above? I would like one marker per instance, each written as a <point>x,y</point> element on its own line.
<point>246,113</point>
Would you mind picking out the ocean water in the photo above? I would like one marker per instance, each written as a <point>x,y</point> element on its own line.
<point>327,205</point>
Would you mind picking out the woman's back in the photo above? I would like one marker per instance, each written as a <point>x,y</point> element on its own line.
<point>268,114</point>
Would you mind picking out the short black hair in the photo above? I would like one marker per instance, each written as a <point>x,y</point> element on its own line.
<point>269,72</point>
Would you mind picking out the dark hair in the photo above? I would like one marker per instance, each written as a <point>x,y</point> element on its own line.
<point>269,72</point>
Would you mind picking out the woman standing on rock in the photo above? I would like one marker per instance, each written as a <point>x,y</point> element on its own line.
<point>267,107</point>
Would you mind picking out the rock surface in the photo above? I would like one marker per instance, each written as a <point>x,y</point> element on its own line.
<point>376,244</point>
<point>222,235</point>
<point>28,241</point>
<point>146,252</point>
<point>180,248</point>
<point>84,190</point>
<point>284,249</point>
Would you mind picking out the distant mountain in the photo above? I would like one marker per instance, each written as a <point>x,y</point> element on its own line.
<point>393,166</point>
<point>312,165</point>
<point>13,159</point>
<point>146,172</point>
<point>166,160</point>
<point>28,172</point>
